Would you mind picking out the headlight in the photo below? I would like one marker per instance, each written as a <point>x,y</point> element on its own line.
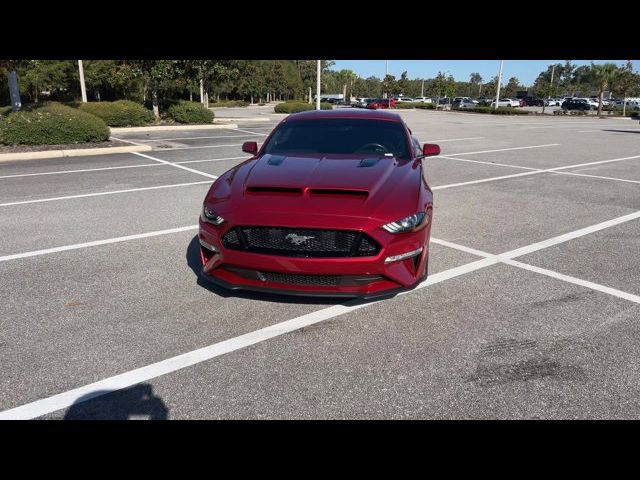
<point>210,216</point>
<point>407,224</point>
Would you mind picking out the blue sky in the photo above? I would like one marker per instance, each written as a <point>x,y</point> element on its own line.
<point>525,70</point>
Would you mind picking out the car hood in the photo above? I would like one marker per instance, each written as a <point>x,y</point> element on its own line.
<point>370,186</point>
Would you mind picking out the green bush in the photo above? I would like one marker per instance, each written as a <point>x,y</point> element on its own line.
<point>297,106</point>
<point>52,124</point>
<point>491,110</point>
<point>421,105</point>
<point>121,113</point>
<point>229,103</point>
<point>509,111</point>
<point>190,112</point>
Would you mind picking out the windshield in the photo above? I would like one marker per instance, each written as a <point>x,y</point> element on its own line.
<point>341,136</point>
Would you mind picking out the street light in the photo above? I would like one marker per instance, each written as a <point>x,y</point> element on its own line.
<point>318,86</point>
<point>499,82</point>
<point>83,90</point>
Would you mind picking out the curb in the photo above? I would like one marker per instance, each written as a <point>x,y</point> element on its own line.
<point>160,128</point>
<point>80,152</point>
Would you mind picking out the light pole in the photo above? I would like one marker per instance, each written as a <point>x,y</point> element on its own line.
<point>422,89</point>
<point>498,87</point>
<point>387,61</point>
<point>318,86</point>
<point>83,90</point>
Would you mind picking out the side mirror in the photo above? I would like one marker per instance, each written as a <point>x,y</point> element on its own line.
<point>430,149</point>
<point>252,147</point>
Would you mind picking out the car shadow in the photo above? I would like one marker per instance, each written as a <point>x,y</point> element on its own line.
<point>135,403</point>
<point>622,131</point>
<point>195,264</point>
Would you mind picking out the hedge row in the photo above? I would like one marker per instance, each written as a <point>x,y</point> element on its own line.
<point>229,103</point>
<point>295,107</point>
<point>52,124</point>
<point>421,105</point>
<point>121,113</point>
<point>190,112</point>
<point>491,110</point>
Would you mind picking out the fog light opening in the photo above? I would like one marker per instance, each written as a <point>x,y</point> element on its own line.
<point>403,256</point>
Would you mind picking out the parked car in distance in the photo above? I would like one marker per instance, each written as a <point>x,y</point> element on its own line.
<point>362,102</point>
<point>379,103</point>
<point>591,102</point>
<point>553,102</point>
<point>576,104</point>
<point>531,101</point>
<point>506,102</point>
<point>405,100</point>
<point>423,100</point>
<point>464,103</point>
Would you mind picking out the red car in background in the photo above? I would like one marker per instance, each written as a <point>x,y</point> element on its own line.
<point>334,203</point>
<point>381,103</point>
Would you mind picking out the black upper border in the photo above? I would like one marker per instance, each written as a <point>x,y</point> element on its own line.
<point>139,37</point>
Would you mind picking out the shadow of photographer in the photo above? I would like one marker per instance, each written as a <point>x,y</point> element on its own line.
<point>135,403</point>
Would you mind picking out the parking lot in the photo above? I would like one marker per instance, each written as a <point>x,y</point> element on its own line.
<point>531,308</point>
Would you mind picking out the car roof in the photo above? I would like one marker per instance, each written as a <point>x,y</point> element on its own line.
<point>347,113</point>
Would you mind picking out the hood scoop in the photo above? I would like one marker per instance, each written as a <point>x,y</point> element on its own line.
<point>275,190</point>
<point>338,192</point>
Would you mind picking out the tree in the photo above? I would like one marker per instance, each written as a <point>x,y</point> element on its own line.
<point>403,83</point>
<point>53,76</point>
<point>157,76</point>
<point>512,88</point>
<point>476,80</point>
<point>390,85</point>
<point>627,83</point>
<point>604,75</point>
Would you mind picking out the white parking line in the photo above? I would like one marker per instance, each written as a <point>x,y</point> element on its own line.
<point>597,176</point>
<point>99,169</point>
<point>65,248</point>
<point>507,149</point>
<point>506,258</point>
<point>534,171</point>
<point>181,167</point>
<point>200,146</point>
<point>198,138</point>
<point>447,139</point>
<point>483,180</point>
<point>179,362</point>
<point>127,379</point>
<point>486,163</point>
<point>577,281</point>
<point>253,133</point>
<point>99,194</point>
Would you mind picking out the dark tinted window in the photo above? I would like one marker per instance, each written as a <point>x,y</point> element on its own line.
<point>340,135</point>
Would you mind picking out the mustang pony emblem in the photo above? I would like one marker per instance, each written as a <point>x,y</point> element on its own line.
<point>297,239</point>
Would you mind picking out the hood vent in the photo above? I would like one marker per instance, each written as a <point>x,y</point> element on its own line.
<point>336,192</point>
<point>275,160</point>
<point>368,162</point>
<point>275,190</point>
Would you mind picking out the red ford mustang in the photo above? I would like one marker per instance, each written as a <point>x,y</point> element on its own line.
<point>335,203</point>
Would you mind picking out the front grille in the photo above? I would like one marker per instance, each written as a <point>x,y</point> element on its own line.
<point>304,279</point>
<point>294,279</point>
<point>294,242</point>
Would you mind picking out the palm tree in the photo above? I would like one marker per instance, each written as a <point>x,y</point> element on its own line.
<point>604,75</point>
<point>476,79</point>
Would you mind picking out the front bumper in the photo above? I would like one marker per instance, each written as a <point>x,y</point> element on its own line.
<point>364,277</point>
